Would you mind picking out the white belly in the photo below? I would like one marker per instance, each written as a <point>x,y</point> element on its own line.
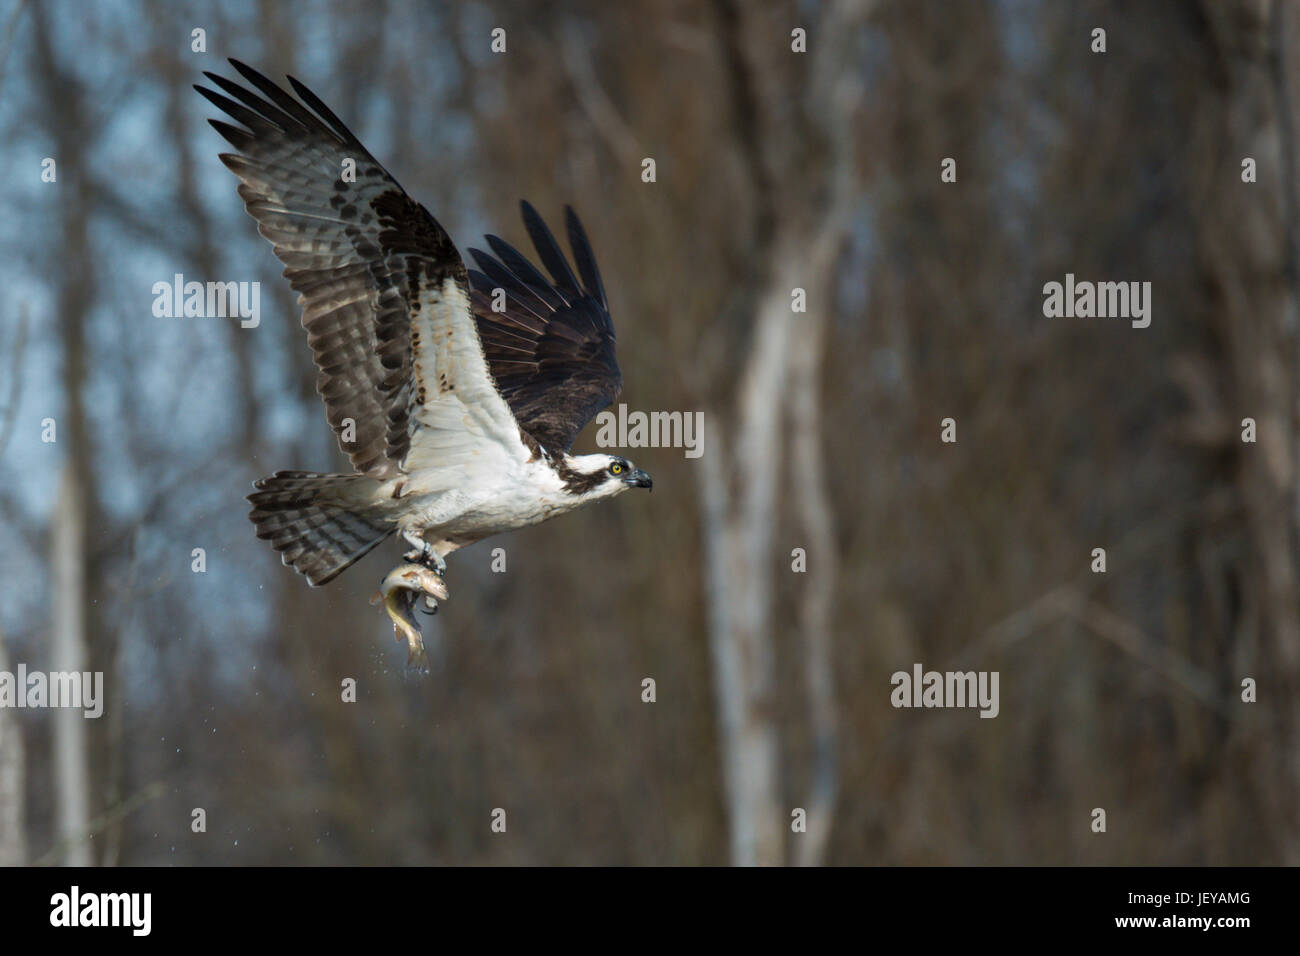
<point>452,519</point>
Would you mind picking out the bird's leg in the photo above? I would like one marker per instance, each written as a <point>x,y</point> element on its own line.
<point>423,552</point>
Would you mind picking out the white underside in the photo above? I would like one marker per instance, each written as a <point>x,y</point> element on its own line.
<point>513,498</point>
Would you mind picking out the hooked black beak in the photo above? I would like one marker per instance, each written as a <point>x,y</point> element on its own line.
<point>639,479</point>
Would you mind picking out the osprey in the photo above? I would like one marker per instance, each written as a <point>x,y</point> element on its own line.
<point>456,394</point>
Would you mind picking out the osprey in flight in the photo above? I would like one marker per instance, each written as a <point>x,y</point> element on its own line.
<point>456,394</point>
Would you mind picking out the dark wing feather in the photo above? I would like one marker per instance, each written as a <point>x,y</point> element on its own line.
<point>360,254</point>
<point>551,352</point>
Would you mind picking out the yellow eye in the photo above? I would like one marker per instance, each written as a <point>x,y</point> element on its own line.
<point>616,469</point>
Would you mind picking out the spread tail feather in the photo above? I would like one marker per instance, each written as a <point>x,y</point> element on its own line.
<point>321,524</point>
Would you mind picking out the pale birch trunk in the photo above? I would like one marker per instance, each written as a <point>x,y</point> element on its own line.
<point>756,447</point>
<point>817,536</point>
<point>71,760</point>
<point>740,478</point>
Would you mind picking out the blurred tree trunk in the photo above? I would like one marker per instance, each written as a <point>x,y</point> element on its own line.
<point>1247,245</point>
<point>739,493</point>
<point>13,846</point>
<point>816,525</point>
<point>79,644</point>
<point>800,215</point>
<point>740,481</point>
<point>176,71</point>
<point>68,654</point>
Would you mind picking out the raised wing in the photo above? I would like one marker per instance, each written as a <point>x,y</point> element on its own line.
<point>383,291</point>
<point>551,350</point>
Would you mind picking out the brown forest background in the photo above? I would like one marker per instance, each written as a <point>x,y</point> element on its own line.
<point>775,170</point>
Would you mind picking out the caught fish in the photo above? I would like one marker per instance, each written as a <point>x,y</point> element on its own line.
<point>400,592</point>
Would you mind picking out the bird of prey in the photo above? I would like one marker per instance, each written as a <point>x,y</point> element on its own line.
<point>456,394</point>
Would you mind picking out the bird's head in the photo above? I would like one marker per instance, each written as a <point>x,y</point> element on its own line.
<point>601,476</point>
